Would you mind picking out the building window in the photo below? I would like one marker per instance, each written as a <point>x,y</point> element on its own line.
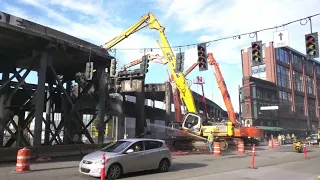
<point>299,101</point>
<point>282,55</point>
<point>285,100</point>
<point>318,69</point>
<point>309,84</point>
<point>259,71</point>
<point>297,79</point>
<point>311,107</point>
<point>283,76</point>
<point>254,70</point>
<point>309,67</point>
<point>272,95</point>
<point>259,93</point>
<point>297,61</point>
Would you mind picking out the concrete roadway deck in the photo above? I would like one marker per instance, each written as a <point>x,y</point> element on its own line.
<point>281,163</point>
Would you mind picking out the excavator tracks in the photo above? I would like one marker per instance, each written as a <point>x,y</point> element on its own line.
<point>226,144</point>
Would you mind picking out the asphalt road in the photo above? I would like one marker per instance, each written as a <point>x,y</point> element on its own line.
<point>280,163</point>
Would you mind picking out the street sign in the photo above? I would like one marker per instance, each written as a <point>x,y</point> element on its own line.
<point>281,38</point>
<point>269,108</point>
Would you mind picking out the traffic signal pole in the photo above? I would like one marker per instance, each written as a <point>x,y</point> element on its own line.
<point>202,57</point>
<point>256,53</point>
<point>312,45</point>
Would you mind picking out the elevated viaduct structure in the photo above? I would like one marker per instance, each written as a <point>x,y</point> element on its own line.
<point>28,112</point>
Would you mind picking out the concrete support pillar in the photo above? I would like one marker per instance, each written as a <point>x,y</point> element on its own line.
<point>67,116</point>
<point>152,121</point>
<point>48,116</point>
<point>168,103</point>
<point>40,99</point>
<point>120,125</point>
<point>21,125</point>
<point>120,122</point>
<point>140,108</point>
<point>4,113</point>
<point>102,107</point>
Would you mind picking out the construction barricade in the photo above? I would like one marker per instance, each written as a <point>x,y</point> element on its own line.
<point>23,160</point>
<point>241,147</point>
<point>216,149</point>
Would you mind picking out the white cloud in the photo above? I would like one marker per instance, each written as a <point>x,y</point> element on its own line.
<point>90,7</point>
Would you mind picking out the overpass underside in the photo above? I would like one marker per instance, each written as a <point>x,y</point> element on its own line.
<point>55,57</point>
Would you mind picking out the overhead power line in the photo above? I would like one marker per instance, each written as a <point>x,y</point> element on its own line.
<point>252,34</point>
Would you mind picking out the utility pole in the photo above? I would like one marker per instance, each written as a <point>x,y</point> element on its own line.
<point>239,93</point>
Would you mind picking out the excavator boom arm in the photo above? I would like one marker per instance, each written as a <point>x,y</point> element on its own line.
<point>178,77</point>
<point>151,21</point>
<point>223,88</point>
<point>131,30</point>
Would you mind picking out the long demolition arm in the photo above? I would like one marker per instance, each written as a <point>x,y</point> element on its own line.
<point>151,21</point>
<point>138,61</point>
<point>223,88</point>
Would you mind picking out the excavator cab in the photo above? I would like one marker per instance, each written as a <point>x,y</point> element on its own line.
<point>193,123</point>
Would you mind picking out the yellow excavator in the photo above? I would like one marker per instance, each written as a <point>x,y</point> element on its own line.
<point>185,94</point>
<point>192,122</point>
<point>150,21</point>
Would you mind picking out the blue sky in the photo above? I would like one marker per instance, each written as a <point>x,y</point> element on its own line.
<point>186,22</point>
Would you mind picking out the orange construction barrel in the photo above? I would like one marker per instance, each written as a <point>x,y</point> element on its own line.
<point>216,149</point>
<point>275,143</point>
<point>240,147</point>
<point>270,143</point>
<point>23,160</point>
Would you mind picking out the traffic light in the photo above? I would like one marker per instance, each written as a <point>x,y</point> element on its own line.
<point>113,67</point>
<point>89,71</point>
<point>144,64</point>
<point>256,52</point>
<point>312,45</point>
<point>202,57</point>
<point>180,61</point>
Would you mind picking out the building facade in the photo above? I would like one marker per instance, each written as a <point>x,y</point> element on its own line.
<point>285,78</point>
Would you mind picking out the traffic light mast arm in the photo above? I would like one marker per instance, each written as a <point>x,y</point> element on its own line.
<point>223,89</point>
<point>151,21</point>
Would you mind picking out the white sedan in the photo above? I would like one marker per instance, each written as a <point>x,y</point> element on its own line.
<point>128,155</point>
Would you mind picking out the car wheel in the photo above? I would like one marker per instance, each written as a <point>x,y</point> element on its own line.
<point>114,172</point>
<point>164,165</point>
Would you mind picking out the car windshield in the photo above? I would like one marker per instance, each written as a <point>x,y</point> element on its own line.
<point>116,147</point>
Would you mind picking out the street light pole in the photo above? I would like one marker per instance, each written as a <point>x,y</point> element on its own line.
<point>240,103</point>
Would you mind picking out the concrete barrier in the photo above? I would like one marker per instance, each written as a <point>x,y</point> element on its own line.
<point>10,154</point>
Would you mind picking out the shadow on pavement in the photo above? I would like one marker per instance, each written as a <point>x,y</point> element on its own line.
<point>53,160</point>
<point>56,168</point>
<point>174,168</point>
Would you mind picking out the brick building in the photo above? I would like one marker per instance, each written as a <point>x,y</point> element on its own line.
<point>285,78</point>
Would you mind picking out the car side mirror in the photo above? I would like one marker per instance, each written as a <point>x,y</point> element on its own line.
<point>129,151</point>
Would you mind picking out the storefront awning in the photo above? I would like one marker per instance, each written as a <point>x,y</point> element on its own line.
<point>270,128</point>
